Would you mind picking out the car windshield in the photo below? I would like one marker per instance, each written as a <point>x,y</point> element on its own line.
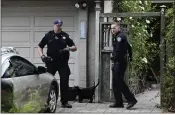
<point>4,67</point>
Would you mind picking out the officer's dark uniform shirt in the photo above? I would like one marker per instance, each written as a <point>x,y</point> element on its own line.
<point>55,43</point>
<point>120,47</point>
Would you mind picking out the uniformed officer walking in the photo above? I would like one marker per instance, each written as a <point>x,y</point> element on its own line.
<point>120,49</point>
<point>58,46</point>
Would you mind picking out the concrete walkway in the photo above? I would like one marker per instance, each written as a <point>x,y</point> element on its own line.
<point>148,102</point>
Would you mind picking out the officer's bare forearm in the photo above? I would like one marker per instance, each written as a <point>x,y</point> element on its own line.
<point>40,51</point>
<point>73,48</point>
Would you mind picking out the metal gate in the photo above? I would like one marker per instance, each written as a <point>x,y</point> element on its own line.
<point>105,49</point>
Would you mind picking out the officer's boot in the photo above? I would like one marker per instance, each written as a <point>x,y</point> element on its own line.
<point>115,105</point>
<point>66,105</point>
<point>131,104</point>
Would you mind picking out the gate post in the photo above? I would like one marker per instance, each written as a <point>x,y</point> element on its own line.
<point>162,50</point>
<point>108,6</point>
<point>97,44</point>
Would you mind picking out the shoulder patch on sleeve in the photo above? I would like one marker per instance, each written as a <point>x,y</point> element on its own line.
<point>119,39</point>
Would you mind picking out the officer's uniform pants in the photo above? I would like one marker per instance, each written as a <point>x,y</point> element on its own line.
<point>64,72</point>
<point>119,85</point>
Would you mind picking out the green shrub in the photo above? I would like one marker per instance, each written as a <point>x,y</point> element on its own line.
<point>33,105</point>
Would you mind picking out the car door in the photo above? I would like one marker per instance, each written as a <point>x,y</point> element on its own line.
<point>27,82</point>
<point>6,86</point>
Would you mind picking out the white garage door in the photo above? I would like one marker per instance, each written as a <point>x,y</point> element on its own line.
<point>24,27</point>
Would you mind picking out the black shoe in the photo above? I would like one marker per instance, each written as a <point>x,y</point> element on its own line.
<point>116,106</point>
<point>131,104</point>
<point>66,105</point>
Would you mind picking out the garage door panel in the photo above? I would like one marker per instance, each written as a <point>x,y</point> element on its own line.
<point>55,14</point>
<point>15,36</point>
<point>24,51</point>
<point>9,29</point>
<point>35,52</point>
<point>16,44</point>
<point>16,21</point>
<point>38,36</point>
<point>24,28</point>
<point>47,21</point>
<point>37,60</point>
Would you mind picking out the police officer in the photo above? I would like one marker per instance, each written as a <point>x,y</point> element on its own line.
<point>58,46</point>
<point>119,58</point>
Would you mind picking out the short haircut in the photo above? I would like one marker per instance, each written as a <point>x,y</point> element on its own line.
<point>116,23</point>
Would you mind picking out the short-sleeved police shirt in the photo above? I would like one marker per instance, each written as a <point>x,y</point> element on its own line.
<point>55,43</point>
<point>121,46</point>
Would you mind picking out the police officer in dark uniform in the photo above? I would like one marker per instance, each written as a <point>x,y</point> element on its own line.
<point>58,46</point>
<point>119,59</point>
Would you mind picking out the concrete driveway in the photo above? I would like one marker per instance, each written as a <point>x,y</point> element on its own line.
<point>148,102</point>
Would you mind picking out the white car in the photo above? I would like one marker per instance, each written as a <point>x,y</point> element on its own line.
<point>20,80</point>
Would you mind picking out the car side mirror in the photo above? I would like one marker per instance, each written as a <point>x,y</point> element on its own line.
<point>41,69</point>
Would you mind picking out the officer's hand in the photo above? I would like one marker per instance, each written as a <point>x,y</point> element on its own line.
<point>43,58</point>
<point>66,49</point>
<point>46,59</point>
